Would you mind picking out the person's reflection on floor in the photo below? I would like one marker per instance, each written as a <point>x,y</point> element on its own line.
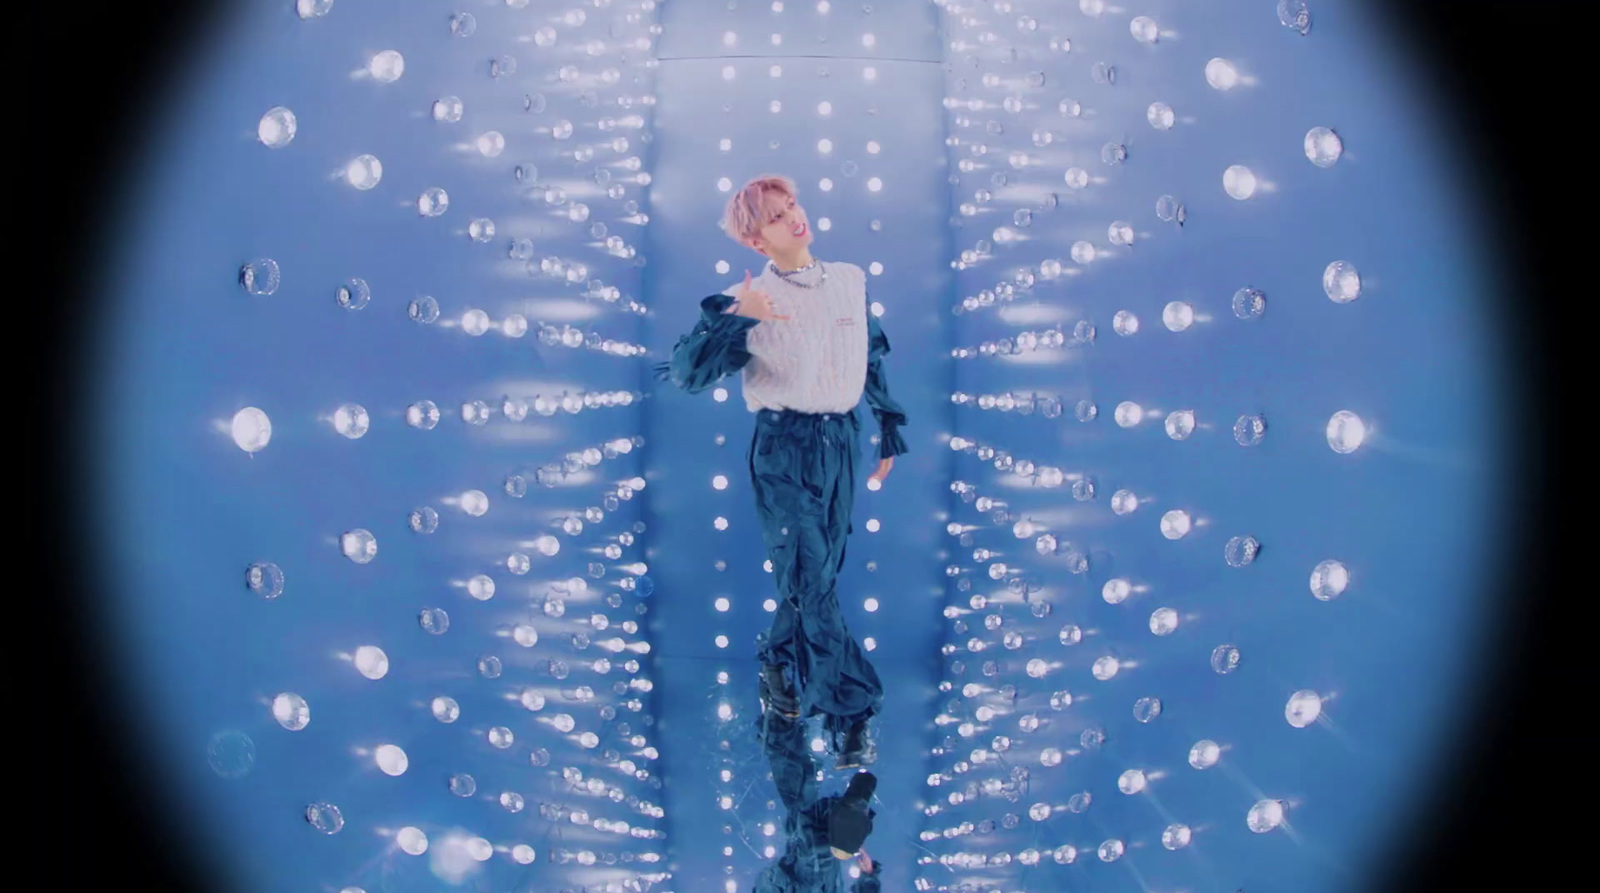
<point>820,832</point>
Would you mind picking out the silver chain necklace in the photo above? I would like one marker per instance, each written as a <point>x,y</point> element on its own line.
<point>785,276</point>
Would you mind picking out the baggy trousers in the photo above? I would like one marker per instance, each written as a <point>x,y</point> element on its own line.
<point>803,468</point>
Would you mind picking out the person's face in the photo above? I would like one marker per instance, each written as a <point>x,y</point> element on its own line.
<point>784,216</point>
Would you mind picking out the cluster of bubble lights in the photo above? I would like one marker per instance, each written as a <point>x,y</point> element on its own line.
<point>560,716</point>
<point>1045,772</point>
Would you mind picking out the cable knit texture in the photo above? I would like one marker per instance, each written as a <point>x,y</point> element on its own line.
<point>816,361</point>
<point>824,358</point>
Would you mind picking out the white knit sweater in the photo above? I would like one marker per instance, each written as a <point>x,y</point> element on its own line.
<point>816,361</point>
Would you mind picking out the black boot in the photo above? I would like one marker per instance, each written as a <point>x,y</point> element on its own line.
<point>857,750</point>
<point>776,693</point>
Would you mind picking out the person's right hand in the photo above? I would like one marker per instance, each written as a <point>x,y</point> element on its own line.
<point>864,860</point>
<point>753,303</point>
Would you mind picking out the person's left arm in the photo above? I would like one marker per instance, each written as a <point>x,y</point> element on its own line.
<point>888,412</point>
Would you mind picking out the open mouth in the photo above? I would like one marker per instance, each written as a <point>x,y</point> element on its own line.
<point>804,228</point>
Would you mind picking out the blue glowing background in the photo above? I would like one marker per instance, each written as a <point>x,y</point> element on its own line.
<point>188,511</point>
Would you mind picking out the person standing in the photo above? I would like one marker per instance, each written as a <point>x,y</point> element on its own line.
<point>809,348</point>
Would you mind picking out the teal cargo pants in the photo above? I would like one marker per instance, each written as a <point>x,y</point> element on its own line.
<point>803,470</point>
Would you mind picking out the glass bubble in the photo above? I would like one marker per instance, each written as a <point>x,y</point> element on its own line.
<point>1060,700</point>
<point>434,620</point>
<point>324,817</point>
<point>391,759</point>
<point>1106,667</point>
<point>351,420</point>
<point>1176,836</point>
<point>1050,756</point>
<point>1115,591</point>
<point>310,9</point>
<point>1111,850</point>
<point>260,276</point>
<point>1065,854</point>
<point>1294,15</point>
<point>1265,816</point>
<point>264,579</point>
<point>433,202</point>
<point>1346,431</point>
<point>412,840</point>
<point>463,785</point>
<point>1177,315</point>
<point>1037,668</point>
<point>1160,116</point>
<point>1131,781</point>
<point>1329,579</point>
<point>423,519</point>
<point>231,754</point>
<point>463,24</point>
<point>501,737</point>
<point>491,144</point>
<point>364,172</point>
<point>448,109</point>
<point>1241,550</point>
<point>423,415</point>
<point>1144,29</point>
<point>1163,621</point>
<point>1175,525</point>
<point>1076,178</point>
<point>1221,74</point>
<point>1225,658</point>
<point>424,309</point>
<point>1128,414</point>
<point>475,503</point>
<point>1083,489</point>
<point>481,587</point>
<point>387,66</point>
<point>1180,424</point>
<point>445,709</point>
<point>512,801</point>
<point>1239,182</point>
<point>1249,430</point>
<point>1341,282</point>
<point>1079,803</point>
<point>1071,634</point>
<point>1146,709</point>
<point>353,294</point>
<point>1204,754</point>
<point>359,546</point>
<point>277,128</point>
<point>1249,303</point>
<point>1124,323</point>
<point>1091,739</point>
<point>291,711</point>
<point>1124,501</point>
<point>525,635</point>
<point>489,666</point>
<point>372,662</point>
<point>481,229</point>
<point>1323,146</point>
<point>1086,411</point>
<point>1169,209</point>
<point>1303,708</point>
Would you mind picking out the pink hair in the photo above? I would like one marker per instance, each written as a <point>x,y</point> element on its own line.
<point>747,210</point>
